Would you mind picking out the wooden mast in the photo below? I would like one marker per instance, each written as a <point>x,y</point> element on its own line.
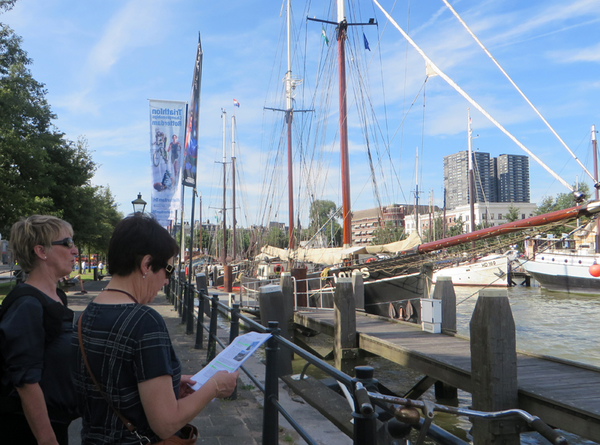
<point>341,37</point>
<point>289,115</point>
<point>595,151</point>
<point>224,210</point>
<point>234,247</point>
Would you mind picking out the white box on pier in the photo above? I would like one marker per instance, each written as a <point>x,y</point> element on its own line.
<point>431,315</point>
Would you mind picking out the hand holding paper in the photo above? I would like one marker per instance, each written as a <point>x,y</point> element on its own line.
<point>231,358</point>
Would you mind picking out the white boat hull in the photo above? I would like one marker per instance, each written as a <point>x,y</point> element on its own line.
<point>489,271</point>
<point>565,272</point>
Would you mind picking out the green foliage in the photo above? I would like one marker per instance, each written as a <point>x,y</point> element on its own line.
<point>277,238</point>
<point>41,171</point>
<point>560,202</point>
<point>513,214</point>
<point>321,218</point>
<point>387,234</point>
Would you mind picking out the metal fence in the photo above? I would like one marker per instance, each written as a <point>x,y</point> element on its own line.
<point>184,297</point>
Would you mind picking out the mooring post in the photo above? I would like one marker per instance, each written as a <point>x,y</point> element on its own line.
<point>211,349</point>
<point>444,290</point>
<point>273,307</point>
<point>270,413</point>
<point>494,367</point>
<point>358,287</point>
<point>345,350</point>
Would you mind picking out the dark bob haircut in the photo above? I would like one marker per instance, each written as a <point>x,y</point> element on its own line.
<point>135,236</point>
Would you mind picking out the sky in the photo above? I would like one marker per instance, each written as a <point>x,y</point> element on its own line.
<point>101,61</point>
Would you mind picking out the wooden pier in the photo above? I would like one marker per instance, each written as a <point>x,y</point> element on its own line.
<point>564,394</point>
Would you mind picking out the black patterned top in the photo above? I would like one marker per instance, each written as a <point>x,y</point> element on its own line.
<point>125,344</point>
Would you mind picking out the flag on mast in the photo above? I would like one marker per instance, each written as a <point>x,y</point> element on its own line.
<point>324,34</point>
<point>366,42</point>
<point>191,132</point>
<point>236,103</point>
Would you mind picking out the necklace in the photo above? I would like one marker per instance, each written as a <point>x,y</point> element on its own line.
<point>123,292</point>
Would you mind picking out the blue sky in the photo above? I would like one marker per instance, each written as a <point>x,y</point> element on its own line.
<point>102,60</point>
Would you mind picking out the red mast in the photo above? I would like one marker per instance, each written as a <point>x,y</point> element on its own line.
<point>341,37</point>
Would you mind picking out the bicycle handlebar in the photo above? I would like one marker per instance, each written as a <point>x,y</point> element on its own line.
<point>537,424</point>
<point>362,400</point>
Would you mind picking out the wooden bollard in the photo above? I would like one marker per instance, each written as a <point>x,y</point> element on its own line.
<point>358,287</point>
<point>227,278</point>
<point>494,367</point>
<point>273,308</point>
<point>345,342</point>
<point>444,290</point>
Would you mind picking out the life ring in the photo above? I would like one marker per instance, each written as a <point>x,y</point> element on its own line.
<point>278,268</point>
<point>370,260</point>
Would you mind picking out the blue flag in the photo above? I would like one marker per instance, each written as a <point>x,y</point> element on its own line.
<point>366,42</point>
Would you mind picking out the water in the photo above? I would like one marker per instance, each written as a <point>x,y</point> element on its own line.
<point>547,323</point>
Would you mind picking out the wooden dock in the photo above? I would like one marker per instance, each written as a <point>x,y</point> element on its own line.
<point>564,394</point>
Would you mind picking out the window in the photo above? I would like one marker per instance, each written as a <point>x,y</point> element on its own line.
<point>499,215</point>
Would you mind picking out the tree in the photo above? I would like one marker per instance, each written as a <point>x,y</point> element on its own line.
<point>513,214</point>
<point>322,219</point>
<point>560,202</point>
<point>387,234</point>
<point>40,170</point>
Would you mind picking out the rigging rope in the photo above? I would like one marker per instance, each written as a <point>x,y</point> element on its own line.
<point>517,88</point>
<point>470,99</point>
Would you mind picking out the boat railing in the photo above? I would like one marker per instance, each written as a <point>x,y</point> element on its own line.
<point>311,292</point>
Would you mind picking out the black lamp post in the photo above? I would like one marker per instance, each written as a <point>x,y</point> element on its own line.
<point>139,205</point>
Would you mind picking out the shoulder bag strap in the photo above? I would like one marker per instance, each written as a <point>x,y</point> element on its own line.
<point>130,426</point>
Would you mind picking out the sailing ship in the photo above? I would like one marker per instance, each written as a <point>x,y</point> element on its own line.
<point>391,283</point>
<point>569,264</point>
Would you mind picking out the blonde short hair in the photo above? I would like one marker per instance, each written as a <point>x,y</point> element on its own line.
<point>37,230</point>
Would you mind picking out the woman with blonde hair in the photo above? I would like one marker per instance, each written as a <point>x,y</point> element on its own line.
<point>37,397</point>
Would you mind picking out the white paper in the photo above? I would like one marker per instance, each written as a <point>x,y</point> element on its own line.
<point>231,358</point>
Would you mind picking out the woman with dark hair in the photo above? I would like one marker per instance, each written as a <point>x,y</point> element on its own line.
<point>37,396</point>
<point>128,349</point>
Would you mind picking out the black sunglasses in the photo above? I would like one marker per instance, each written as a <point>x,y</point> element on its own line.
<point>169,270</point>
<point>67,242</point>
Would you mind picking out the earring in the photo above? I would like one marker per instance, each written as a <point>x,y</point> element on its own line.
<point>144,276</point>
<point>45,257</point>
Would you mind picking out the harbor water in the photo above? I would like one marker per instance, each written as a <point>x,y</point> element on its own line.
<point>546,323</point>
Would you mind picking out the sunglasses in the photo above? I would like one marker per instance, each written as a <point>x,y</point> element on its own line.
<point>67,242</point>
<point>169,270</point>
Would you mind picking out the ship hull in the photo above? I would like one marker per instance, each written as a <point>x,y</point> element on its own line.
<point>565,272</point>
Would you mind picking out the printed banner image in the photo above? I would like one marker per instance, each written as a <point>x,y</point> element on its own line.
<point>167,119</point>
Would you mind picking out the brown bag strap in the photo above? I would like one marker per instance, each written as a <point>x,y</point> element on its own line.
<point>130,426</point>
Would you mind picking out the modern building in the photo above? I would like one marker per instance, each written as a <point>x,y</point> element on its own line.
<point>501,179</point>
<point>492,213</point>
<point>365,222</point>
<point>512,178</point>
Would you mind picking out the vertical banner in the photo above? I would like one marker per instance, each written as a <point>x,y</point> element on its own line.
<point>167,121</point>
<point>191,133</point>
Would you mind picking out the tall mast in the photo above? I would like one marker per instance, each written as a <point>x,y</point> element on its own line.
<point>289,115</point>
<point>595,150</point>
<point>341,37</point>
<point>417,191</point>
<point>471,176</point>
<point>233,183</point>
<point>224,210</point>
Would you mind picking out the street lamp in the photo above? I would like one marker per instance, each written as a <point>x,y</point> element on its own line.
<point>139,205</point>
